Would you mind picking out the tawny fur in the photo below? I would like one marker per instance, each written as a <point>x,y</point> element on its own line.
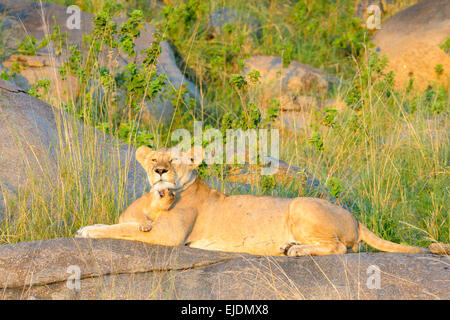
<point>205,218</point>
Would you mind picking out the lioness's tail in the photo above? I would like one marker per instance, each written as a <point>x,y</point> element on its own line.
<point>371,239</point>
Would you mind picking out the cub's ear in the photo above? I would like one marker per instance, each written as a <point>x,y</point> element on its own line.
<point>142,153</point>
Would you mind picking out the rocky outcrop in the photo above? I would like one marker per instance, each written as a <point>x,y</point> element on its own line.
<point>292,86</point>
<point>43,66</point>
<point>117,269</point>
<point>284,176</point>
<point>411,40</point>
<point>27,18</point>
<point>297,77</point>
<point>38,143</point>
<point>226,16</point>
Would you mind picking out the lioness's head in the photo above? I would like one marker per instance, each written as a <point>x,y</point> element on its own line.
<point>167,168</point>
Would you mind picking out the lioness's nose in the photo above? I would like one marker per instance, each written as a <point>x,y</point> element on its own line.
<point>160,170</point>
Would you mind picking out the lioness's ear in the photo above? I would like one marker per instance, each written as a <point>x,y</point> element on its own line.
<point>195,156</point>
<point>143,153</point>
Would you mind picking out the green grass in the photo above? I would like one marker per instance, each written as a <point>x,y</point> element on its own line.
<point>384,153</point>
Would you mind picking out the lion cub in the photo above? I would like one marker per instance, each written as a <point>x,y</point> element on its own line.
<point>159,202</point>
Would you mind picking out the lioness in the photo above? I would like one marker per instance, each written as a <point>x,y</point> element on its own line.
<point>205,218</point>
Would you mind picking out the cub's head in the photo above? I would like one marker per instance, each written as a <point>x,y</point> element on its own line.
<point>161,199</point>
<point>167,168</point>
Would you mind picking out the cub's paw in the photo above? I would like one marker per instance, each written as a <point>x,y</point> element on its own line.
<point>87,232</point>
<point>146,226</point>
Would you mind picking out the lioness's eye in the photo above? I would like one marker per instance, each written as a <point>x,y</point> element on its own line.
<point>154,160</point>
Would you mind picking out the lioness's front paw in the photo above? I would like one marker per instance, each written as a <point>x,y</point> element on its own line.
<point>297,250</point>
<point>285,249</point>
<point>86,232</point>
<point>146,226</point>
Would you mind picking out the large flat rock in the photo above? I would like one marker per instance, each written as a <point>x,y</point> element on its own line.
<point>118,269</point>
